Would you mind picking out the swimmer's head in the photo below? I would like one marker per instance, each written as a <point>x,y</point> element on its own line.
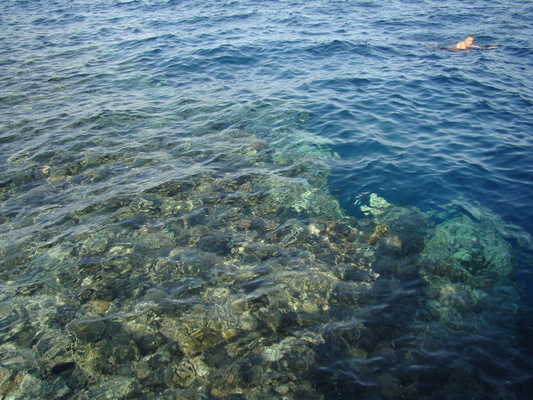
<point>469,40</point>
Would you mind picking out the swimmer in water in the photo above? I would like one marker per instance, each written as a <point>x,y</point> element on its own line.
<point>468,43</point>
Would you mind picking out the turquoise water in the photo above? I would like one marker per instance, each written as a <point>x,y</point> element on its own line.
<point>265,199</point>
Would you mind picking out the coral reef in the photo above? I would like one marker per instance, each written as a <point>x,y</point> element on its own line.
<point>243,279</point>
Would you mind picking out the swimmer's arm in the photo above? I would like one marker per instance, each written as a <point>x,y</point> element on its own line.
<point>484,47</point>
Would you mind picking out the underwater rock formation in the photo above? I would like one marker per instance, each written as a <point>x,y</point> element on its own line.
<point>245,280</point>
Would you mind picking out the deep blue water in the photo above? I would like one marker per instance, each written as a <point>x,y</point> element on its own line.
<point>126,82</point>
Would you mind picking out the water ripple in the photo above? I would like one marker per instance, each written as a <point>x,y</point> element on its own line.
<point>201,192</point>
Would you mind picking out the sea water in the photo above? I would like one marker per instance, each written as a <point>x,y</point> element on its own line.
<point>265,199</point>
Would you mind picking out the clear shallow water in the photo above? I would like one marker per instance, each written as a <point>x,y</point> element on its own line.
<point>168,165</point>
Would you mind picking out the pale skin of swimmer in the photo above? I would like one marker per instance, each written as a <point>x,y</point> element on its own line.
<point>468,43</point>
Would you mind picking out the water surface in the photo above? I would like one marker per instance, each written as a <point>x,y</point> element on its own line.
<point>265,199</point>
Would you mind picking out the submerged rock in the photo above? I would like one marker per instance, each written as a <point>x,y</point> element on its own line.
<point>229,271</point>
<point>472,252</point>
<point>291,233</point>
<point>88,329</point>
<point>119,388</point>
<point>94,245</point>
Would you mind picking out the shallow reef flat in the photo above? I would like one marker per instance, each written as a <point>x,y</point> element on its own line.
<point>238,276</point>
